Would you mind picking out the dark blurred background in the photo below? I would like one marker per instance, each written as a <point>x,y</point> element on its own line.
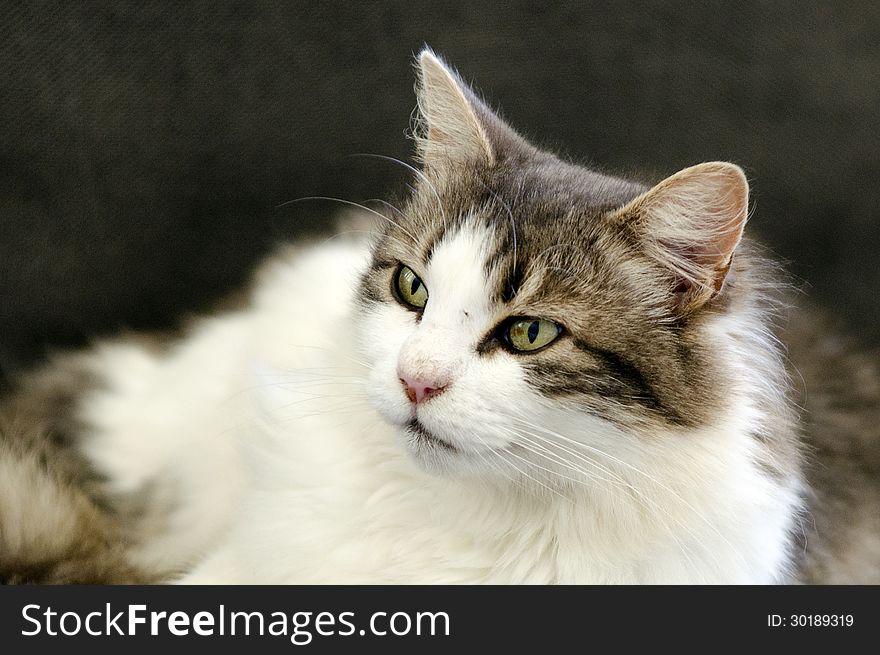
<point>144,146</point>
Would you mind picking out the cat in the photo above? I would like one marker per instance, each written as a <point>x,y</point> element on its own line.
<point>531,372</point>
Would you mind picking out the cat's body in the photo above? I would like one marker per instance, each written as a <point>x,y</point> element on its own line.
<point>534,374</point>
<point>276,418</point>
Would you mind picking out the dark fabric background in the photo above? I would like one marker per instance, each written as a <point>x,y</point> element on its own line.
<point>144,146</point>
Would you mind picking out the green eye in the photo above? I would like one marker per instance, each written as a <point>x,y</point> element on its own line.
<point>530,334</point>
<point>411,289</point>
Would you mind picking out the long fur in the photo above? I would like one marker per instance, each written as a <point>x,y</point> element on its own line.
<point>654,441</point>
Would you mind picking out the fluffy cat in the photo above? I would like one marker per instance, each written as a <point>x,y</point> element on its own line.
<point>533,373</point>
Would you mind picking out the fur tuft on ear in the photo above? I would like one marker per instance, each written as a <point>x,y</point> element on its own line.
<point>691,223</point>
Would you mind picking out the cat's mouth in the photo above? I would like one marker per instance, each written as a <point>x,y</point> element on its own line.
<point>424,437</point>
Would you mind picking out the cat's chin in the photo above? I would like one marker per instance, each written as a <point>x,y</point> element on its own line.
<point>424,438</point>
<point>439,456</point>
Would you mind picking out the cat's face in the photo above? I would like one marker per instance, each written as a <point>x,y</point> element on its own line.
<point>520,311</point>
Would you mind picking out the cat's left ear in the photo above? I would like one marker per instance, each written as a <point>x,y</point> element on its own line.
<point>457,127</point>
<point>691,223</point>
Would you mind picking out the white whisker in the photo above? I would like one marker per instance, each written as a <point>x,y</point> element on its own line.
<point>354,204</point>
<point>675,495</point>
<point>419,174</point>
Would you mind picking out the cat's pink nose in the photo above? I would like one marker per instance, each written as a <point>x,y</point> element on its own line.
<point>418,390</point>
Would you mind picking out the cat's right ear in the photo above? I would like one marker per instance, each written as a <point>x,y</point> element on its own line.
<point>691,223</point>
<point>455,126</point>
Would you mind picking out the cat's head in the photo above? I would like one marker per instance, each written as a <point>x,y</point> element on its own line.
<point>520,310</point>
